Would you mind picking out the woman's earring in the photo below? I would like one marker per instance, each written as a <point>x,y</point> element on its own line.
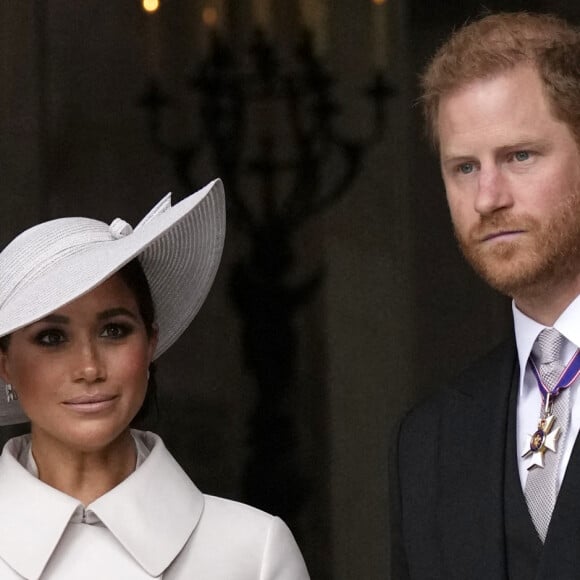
<point>148,374</point>
<point>11,394</point>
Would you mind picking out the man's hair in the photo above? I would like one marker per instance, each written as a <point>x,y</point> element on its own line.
<point>499,42</point>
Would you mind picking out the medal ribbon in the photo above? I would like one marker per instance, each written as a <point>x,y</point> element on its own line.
<point>568,376</point>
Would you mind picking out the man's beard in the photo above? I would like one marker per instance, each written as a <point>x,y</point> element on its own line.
<point>547,253</point>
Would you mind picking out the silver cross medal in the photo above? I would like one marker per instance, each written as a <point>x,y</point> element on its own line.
<point>544,438</point>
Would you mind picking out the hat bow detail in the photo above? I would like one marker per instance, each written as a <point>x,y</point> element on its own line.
<point>120,228</point>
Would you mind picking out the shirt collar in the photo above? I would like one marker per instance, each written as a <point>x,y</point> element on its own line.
<point>569,322</point>
<point>527,330</point>
<point>152,513</point>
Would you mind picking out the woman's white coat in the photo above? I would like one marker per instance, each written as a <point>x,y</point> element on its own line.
<point>155,524</point>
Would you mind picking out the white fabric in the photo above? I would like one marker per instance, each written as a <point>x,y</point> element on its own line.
<point>155,524</point>
<point>529,399</point>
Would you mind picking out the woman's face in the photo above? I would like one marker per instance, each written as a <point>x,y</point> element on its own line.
<point>81,372</point>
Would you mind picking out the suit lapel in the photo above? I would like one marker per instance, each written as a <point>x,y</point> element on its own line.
<point>560,554</point>
<point>472,461</point>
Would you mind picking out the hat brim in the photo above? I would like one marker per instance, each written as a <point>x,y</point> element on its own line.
<point>179,248</point>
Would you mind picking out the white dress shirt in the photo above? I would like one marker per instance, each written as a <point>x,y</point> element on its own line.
<point>154,524</point>
<point>530,399</point>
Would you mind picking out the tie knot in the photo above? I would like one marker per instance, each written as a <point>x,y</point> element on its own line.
<point>547,353</point>
<point>548,346</point>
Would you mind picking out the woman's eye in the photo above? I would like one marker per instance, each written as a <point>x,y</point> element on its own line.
<point>50,338</point>
<point>116,331</point>
<point>521,155</point>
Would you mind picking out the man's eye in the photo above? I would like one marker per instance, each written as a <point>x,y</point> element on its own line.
<point>50,338</point>
<point>521,155</point>
<point>466,168</point>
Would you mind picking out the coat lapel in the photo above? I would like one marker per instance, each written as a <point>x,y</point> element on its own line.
<point>560,554</point>
<point>472,465</point>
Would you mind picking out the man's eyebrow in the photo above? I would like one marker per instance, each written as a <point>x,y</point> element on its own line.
<point>456,158</point>
<point>520,144</point>
<point>524,144</point>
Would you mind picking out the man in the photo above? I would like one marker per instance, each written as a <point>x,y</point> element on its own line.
<point>479,467</point>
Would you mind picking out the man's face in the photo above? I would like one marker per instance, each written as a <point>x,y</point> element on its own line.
<point>512,176</point>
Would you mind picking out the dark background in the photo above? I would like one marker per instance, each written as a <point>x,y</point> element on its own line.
<point>396,311</point>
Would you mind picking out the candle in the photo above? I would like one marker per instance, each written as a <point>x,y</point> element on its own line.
<point>151,7</point>
<point>210,17</point>
<point>213,15</point>
<point>379,33</point>
<point>315,18</point>
<point>213,18</point>
<point>262,14</point>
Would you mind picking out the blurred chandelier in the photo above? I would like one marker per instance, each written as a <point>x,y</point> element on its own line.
<point>265,120</point>
<point>269,130</point>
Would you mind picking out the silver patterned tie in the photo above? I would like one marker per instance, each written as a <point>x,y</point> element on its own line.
<point>541,488</point>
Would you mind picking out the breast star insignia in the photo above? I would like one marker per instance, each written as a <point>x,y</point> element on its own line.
<point>542,440</point>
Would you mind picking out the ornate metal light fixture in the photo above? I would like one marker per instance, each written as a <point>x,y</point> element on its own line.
<point>270,131</point>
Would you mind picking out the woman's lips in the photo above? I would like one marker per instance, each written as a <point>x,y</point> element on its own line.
<point>90,403</point>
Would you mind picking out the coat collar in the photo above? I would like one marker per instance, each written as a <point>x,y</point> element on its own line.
<point>152,513</point>
<point>33,516</point>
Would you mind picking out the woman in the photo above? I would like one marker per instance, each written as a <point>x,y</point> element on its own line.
<point>84,310</point>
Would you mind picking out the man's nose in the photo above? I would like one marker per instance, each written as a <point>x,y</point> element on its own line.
<point>493,191</point>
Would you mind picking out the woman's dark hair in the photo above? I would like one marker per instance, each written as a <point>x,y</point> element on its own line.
<point>134,277</point>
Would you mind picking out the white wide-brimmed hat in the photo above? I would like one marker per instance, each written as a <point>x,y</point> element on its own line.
<point>55,262</point>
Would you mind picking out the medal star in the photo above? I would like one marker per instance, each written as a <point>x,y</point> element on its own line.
<point>542,440</point>
<point>551,441</point>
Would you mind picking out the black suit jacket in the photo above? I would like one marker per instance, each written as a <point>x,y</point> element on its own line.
<point>448,484</point>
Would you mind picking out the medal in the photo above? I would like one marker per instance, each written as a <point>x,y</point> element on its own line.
<point>545,438</point>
